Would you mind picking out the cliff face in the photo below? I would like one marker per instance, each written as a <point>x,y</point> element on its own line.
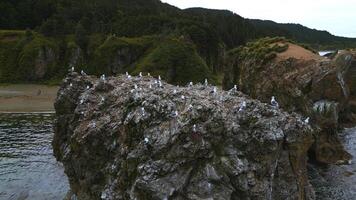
<point>306,83</point>
<point>121,139</point>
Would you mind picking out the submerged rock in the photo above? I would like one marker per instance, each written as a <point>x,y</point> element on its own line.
<point>197,147</point>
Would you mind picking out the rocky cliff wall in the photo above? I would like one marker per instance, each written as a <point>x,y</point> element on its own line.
<point>306,83</point>
<point>134,138</point>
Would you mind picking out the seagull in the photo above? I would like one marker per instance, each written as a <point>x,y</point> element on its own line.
<point>143,111</point>
<point>175,113</point>
<point>159,77</point>
<point>102,99</point>
<point>214,90</point>
<point>103,77</point>
<point>235,87</point>
<point>274,102</point>
<point>87,87</point>
<point>81,101</point>
<point>72,69</point>
<point>194,128</point>
<point>136,87</point>
<point>159,83</point>
<point>182,97</point>
<point>150,86</point>
<point>190,84</point>
<point>190,107</point>
<point>83,73</point>
<point>174,91</point>
<point>127,74</point>
<point>71,84</point>
<point>146,140</point>
<point>206,82</point>
<point>92,125</point>
<point>148,74</point>
<point>243,106</point>
<point>140,75</point>
<point>306,121</point>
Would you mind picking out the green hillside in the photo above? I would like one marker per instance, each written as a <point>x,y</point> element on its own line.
<point>114,36</point>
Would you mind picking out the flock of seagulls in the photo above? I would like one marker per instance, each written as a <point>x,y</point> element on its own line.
<point>242,106</point>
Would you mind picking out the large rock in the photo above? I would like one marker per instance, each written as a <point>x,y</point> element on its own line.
<point>302,82</point>
<point>118,142</point>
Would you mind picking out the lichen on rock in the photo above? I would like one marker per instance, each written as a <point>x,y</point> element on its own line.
<point>130,138</point>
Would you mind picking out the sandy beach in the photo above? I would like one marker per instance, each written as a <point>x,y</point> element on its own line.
<point>27,98</point>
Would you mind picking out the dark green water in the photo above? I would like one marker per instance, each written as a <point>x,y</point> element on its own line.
<point>28,169</point>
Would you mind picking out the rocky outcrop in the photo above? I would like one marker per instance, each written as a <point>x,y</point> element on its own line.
<point>306,83</point>
<point>133,139</point>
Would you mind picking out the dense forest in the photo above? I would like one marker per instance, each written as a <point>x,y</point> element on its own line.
<point>113,36</point>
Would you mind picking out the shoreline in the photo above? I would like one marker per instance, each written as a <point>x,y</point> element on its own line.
<point>27,98</point>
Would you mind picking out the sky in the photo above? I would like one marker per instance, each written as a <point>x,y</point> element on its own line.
<point>336,16</point>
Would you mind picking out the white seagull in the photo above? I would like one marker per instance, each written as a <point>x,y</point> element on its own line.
<point>194,128</point>
<point>103,77</point>
<point>274,102</point>
<point>146,140</point>
<point>243,106</point>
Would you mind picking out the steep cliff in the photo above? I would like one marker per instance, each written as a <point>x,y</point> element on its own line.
<point>302,82</point>
<point>132,138</point>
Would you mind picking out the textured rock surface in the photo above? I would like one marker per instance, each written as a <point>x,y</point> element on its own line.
<point>112,148</point>
<point>306,83</point>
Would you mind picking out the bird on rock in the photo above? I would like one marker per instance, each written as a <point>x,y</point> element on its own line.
<point>83,73</point>
<point>243,106</point>
<point>274,102</point>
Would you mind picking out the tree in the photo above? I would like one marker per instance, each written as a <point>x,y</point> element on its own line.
<point>81,38</point>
